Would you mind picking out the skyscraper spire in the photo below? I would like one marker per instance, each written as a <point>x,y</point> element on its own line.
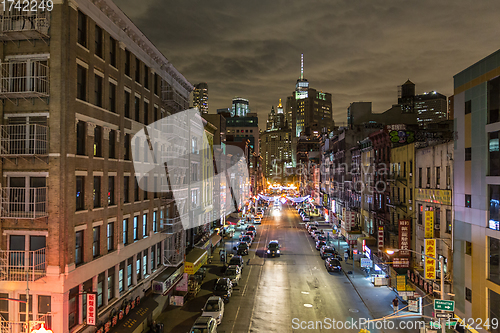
<point>302,66</point>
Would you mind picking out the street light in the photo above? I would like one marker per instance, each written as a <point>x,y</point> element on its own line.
<point>441,262</point>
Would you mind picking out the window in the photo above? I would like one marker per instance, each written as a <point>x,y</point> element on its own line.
<point>137,108</point>
<point>81,83</point>
<point>146,113</point>
<point>80,193</point>
<point>96,249</point>
<point>468,248</point>
<point>111,190</point>
<point>136,233</point>
<point>121,282</point>
<point>125,231</point>
<point>155,221</point>
<point>4,306</point>
<point>80,137</point>
<point>494,153</point>
<point>448,221</point>
<point>98,141</point>
<point>79,247</point>
<point>127,147</point>
<point>145,189</point>
<point>494,100</point>
<point>112,141</point>
<point>468,294</point>
<point>127,62</point>
<point>73,307</point>
<point>126,107</point>
<point>155,115</point>
<point>97,191</point>
<point>152,259</point>
<point>494,309</point>
<point>100,285</point>
<point>112,51</point>
<point>194,198</point>
<point>112,97</point>
<point>144,225</point>
<point>98,41</point>
<point>22,308</point>
<point>155,192</point>
<point>411,168</point>
<point>468,154</point>
<point>438,176</point>
<point>145,263</point>
<point>146,77</point>
<point>111,283</point>
<point>158,254</point>
<point>428,177</point>
<point>420,213</point>
<point>194,172</point>
<point>44,304</point>
<point>136,190</point>
<point>468,107</point>
<point>82,29</point>
<point>420,177</point>
<point>448,176</point>
<point>126,189</point>
<point>156,83</point>
<point>468,201</point>
<point>110,235</point>
<point>194,145</point>
<point>404,169</point>
<point>138,267</point>
<point>494,216</point>
<point>98,90</point>
<point>437,222</point>
<point>129,273</point>
<point>137,70</point>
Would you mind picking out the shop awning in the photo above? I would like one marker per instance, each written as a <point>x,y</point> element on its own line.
<point>167,280</point>
<point>232,220</point>
<point>194,260</point>
<point>136,317</point>
<point>215,239</point>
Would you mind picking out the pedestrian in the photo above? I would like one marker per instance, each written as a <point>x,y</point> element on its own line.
<point>346,255</point>
<point>395,304</point>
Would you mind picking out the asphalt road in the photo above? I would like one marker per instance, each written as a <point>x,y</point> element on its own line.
<point>286,293</point>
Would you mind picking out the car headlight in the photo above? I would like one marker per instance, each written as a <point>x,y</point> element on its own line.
<point>268,251</point>
<point>278,251</point>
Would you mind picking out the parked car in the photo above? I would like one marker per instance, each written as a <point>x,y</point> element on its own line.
<point>204,324</point>
<point>306,218</point>
<point>273,249</point>
<point>237,260</point>
<point>320,237</point>
<point>233,272</point>
<point>316,232</point>
<point>251,234</point>
<point>247,239</point>
<point>252,228</point>
<point>223,288</point>
<point>214,307</point>
<point>333,265</point>
<point>242,248</point>
<point>326,252</point>
<point>257,220</point>
<point>311,229</point>
<point>320,244</point>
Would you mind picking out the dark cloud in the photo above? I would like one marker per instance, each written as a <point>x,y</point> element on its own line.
<point>356,50</point>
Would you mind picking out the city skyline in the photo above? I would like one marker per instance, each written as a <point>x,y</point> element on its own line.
<point>354,52</point>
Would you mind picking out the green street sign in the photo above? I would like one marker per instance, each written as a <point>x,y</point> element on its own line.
<point>444,305</point>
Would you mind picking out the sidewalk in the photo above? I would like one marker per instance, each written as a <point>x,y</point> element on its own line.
<point>378,299</point>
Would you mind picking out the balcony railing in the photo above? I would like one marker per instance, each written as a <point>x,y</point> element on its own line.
<point>29,139</point>
<point>171,226</point>
<point>18,25</point>
<point>22,265</point>
<point>24,79</point>
<point>172,98</point>
<point>23,202</point>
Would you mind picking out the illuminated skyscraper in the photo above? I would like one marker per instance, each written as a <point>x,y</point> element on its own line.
<point>200,97</point>
<point>308,107</point>
<point>240,107</point>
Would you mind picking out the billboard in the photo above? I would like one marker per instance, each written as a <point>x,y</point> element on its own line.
<point>430,264</point>
<point>429,224</point>
<point>404,237</point>
<point>91,309</point>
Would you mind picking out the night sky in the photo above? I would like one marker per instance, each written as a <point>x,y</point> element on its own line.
<point>357,50</point>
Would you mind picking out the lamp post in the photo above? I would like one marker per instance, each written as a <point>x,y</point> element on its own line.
<point>441,262</point>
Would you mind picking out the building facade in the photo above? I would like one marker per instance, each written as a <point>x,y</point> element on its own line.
<point>200,97</point>
<point>476,269</point>
<point>73,215</point>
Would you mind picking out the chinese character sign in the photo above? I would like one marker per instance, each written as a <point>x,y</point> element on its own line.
<point>380,237</point>
<point>430,264</point>
<point>429,224</point>
<point>404,237</point>
<point>91,309</point>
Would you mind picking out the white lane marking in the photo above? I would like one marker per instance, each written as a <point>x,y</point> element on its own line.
<point>308,305</point>
<point>305,292</point>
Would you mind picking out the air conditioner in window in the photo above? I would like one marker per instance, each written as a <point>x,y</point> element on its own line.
<point>411,208</point>
<point>410,174</point>
<point>428,186</point>
<point>448,187</point>
<point>409,201</point>
<point>437,226</point>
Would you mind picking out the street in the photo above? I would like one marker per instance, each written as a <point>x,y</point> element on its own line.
<point>287,293</point>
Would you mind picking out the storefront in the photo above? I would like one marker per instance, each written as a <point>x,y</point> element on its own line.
<point>135,319</point>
